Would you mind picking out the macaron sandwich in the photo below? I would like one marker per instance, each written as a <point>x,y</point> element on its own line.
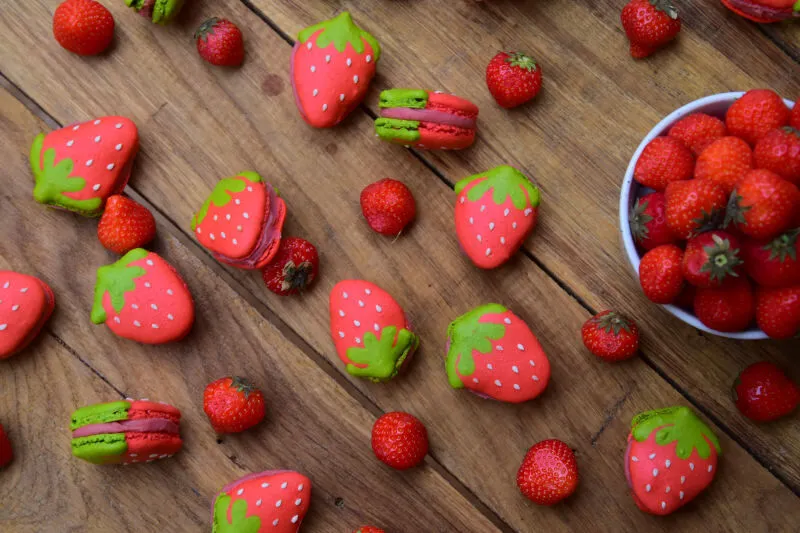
<point>26,303</point>
<point>158,11</point>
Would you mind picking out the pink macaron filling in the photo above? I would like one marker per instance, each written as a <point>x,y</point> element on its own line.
<point>762,11</point>
<point>429,115</point>
<point>145,425</point>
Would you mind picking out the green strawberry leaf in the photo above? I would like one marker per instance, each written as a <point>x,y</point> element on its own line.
<point>341,31</point>
<point>783,247</point>
<point>239,523</point>
<point>116,279</point>
<point>468,333</point>
<point>676,424</point>
<point>504,181</point>
<point>382,357</point>
<point>221,196</point>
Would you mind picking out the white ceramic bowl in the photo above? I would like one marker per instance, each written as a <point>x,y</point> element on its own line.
<point>715,105</point>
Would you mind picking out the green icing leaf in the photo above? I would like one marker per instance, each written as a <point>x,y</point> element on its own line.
<point>383,357</point>
<point>99,414</point>
<point>503,181</point>
<point>221,196</point>
<point>341,31</point>
<point>100,449</point>
<point>116,279</point>
<point>676,424</point>
<point>468,333</point>
<point>239,522</point>
<point>392,129</point>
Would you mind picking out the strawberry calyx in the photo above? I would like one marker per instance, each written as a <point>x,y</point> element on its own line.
<point>788,129</point>
<point>207,28</point>
<point>466,334</point>
<point>381,357</point>
<point>722,260</point>
<point>735,211</point>
<point>296,277</point>
<point>708,221</point>
<point>240,384</point>
<point>116,279</point>
<point>676,424</point>
<point>221,195</point>
<point>239,522</point>
<point>521,60</point>
<point>639,220</point>
<point>340,31</point>
<point>665,6</point>
<point>783,246</point>
<point>504,181</point>
<point>612,321</point>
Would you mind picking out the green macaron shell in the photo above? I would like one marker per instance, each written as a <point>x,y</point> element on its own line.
<point>166,10</point>
<point>99,414</point>
<point>100,449</point>
<point>413,98</point>
<point>395,130</point>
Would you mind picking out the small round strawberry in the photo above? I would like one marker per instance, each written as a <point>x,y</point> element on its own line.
<point>648,221</point>
<point>730,307</point>
<point>697,131</point>
<point>779,152</point>
<point>763,205</point>
<point>794,118</point>
<point>756,113</point>
<point>388,206</point>
<point>549,472</point>
<point>778,311</point>
<point>774,263</point>
<point>6,453</point>
<point>219,41</point>
<point>233,405</point>
<point>84,27</point>
<point>513,78</point>
<point>294,267</point>
<point>399,440</point>
<point>725,162</point>
<point>369,529</point>
<point>694,206</point>
<point>763,393</point>
<point>611,336</point>
<point>662,161</point>
<point>125,225</point>
<point>660,274</point>
<point>711,258</point>
<point>649,25</point>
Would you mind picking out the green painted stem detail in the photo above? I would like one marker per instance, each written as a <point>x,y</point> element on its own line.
<point>468,333</point>
<point>504,181</point>
<point>382,356</point>
<point>341,31</point>
<point>221,195</point>
<point>677,424</point>
<point>116,279</point>
<point>239,523</point>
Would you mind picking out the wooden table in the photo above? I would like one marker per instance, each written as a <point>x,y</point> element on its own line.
<point>199,123</point>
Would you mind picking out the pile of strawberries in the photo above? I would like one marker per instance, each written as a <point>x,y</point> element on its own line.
<point>720,226</point>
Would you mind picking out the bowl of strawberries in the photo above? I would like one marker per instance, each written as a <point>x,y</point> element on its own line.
<point>710,215</point>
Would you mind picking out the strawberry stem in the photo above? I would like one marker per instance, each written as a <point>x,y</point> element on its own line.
<point>116,279</point>
<point>676,424</point>
<point>466,334</point>
<point>239,522</point>
<point>505,181</point>
<point>341,31</point>
<point>221,195</point>
<point>381,358</point>
<point>518,59</point>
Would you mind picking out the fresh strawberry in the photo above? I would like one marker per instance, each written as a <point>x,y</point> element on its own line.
<point>611,336</point>
<point>125,225</point>
<point>664,160</point>
<point>698,131</point>
<point>333,63</point>
<point>730,307</point>
<point>369,529</point>
<point>399,440</point>
<point>794,119</point>
<point>294,268</point>
<point>671,458</point>
<point>660,274</point>
<point>370,330</point>
<point>219,41</point>
<point>233,405</point>
<point>779,152</point>
<point>513,78</point>
<point>141,297</point>
<point>778,311</point>
<point>757,112</point>
<point>774,263</point>
<point>83,27</point>
<point>648,221</point>
<point>694,206</point>
<point>493,353</point>
<point>725,162</point>
<point>388,206</point>
<point>763,393</point>
<point>711,258</point>
<point>763,205</point>
<point>649,25</point>
<point>548,473</point>
<point>6,453</point>
<point>495,212</point>
<point>26,304</point>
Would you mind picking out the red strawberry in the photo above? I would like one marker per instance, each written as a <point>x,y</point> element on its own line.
<point>611,336</point>
<point>26,304</point>
<point>549,472</point>
<point>763,393</point>
<point>794,118</point>
<point>125,225</point>
<point>725,162</point>
<point>711,258</point>
<point>493,353</point>
<point>763,205</point>
<point>648,221</point>
<point>219,41</point>
<point>757,112</point>
<point>233,405</point>
<point>730,307</point>
<point>660,274</point>
<point>333,63</point>
<point>6,453</point>
<point>663,160</point>
<point>399,440</point>
<point>649,25</point>
<point>369,529</point>
<point>698,131</point>
<point>694,206</point>
<point>141,297</point>
<point>84,27</point>
<point>671,458</point>
<point>388,206</point>
<point>774,263</point>
<point>294,268</point>
<point>778,311</point>
<point>495,212</point>
<point>779,152</point>
<point>370,330</point>
<point>513,78</point>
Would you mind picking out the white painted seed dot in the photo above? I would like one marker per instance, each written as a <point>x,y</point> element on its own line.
<point>367,292</point>
<point>652,456</point>
<point>134,306</point>
<point>520,347</point>
<point>117,320</point>
<point>137,323</point>
<point>246,214</point>
<point>275,522</point>
<point>237,201</point>
<point>308,45</point>
<point>118,125</point>
<point>89,162</point>
<point>691,466</point>
<point>154,307</point>
<point>97,122</point>
<point>535,377</point>
<point>294,519</point>
<point>634,459</point>
<point>683,480</point>
<point>324,107</point>
<point>147,284</point>
<point>355,79</point>
<point>265,485</point>
<point>483,208</point>
<point>249,189</point>
<point>228,216</point>
<point>3,327</point>
<point>75,128</point>
<point>5,286</point>
<point>356,323</point>
<point>710,468</point>
<point>222,234</point>
<point>278,503</point>
<point>24,289</point>
<point>655,472</point>
<point>170,317</point>
<point>70,142</point>
<point>489,366</point>
<point>376,327</point>
<point>680,495</point>
<point>298,501</point>
<point>471,220</point>
<point>488,252</point>
<point>360,303</point>
<point>341,313</point>
<point>528,211</point>
<point>507,320</point>
<point>516,387</point>
<point>341,334</point>
<point>648,488</point>
<point>216,218</point>
<point>479,237</point>
<point>341,97</point>
<point>532,363</point>
<point>315,92</point>
<point>667,489</point>
<point>258,502</point>
<point>239,228</point>
<point>328,58</point>
<point>240,492</point>
<point>667,463</point>
<point>663,505</point>
<point>349,62</point>
<point>96,187</point>
<point>378,308</point>
<point>170,292</point>
<point>515,369</point>
<point>358,340</point>
<point>300,486</point>
<point>506,212</point>
<point>514,225</point>
<point>110,166</point>
<point>462,199</point>
<point>284,484</point>
<point>502,240</point>
<point>345,295</point>
<point>149,262</point>
<point>211,236</point>
<point>118,147</point>
<point>313,68</point>
<point>369,58</point>
<point>497,382</point>
<point>98,139</point>
<point>14,307</point>
<point>491,226</point>
<point>475,380</point>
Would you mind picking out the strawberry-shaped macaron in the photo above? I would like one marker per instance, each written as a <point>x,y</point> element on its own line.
<point>495,212</point>
<point>671,458</point>
<point>493,353</point>
<point>25,305</point>
<point>275,501</point>
<point>370,330</point>
<point>333,63</point>
<point>78,167</point>
<point>241,222</point>
<point>141,297</point>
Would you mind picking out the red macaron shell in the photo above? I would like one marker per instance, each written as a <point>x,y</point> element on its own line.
<point>444,137</point>
<point>452,104</point>
<point>244,225</point>
<point>25,305</point>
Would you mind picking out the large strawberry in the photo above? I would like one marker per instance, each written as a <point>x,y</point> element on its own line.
<point>494,354</point>
<point>671,458</point>
<point>774,263</point>
<point>370,330</point>
<point>495,212</point>
<point>25,305</point>
<point>78,167</point>
<point>142,298</point>
<point>333,63</point>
